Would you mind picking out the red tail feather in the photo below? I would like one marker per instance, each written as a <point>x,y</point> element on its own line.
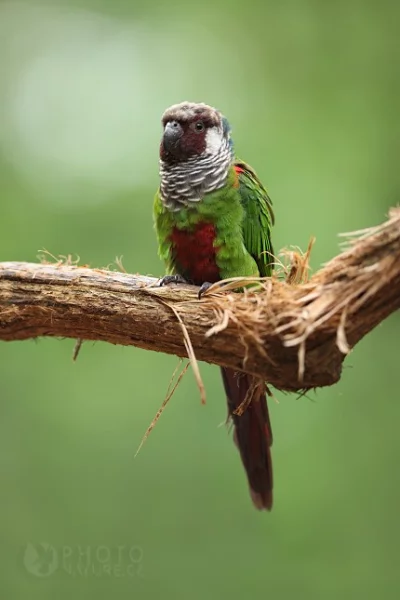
<point>252,435</point>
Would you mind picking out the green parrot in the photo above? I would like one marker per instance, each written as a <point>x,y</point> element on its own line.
<point>213,219</point>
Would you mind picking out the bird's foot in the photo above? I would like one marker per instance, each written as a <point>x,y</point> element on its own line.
<point>205,286</point>
<point>167,279</point>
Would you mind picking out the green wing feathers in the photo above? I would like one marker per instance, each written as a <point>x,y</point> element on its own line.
<point>163,226</point>
<point>258,217</point>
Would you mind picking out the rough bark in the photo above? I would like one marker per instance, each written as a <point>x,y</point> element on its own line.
<point>295,336</point>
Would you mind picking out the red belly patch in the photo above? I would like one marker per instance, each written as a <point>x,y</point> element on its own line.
<point>195,253</point>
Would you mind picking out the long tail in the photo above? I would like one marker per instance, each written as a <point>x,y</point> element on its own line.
<point>253,434</point>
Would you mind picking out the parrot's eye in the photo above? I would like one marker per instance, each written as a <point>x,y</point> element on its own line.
<point>198,127</point>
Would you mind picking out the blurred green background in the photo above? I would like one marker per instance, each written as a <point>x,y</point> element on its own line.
<point>311,89</point>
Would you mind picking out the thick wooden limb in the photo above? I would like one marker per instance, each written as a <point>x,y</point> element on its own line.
<point>295,336</point>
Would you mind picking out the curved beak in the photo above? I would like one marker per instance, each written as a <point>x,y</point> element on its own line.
<point>171,138</point>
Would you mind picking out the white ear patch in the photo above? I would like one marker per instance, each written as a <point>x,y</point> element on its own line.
<point>214,137</point>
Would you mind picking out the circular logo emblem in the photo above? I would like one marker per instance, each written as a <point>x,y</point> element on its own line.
<point>40,559</point>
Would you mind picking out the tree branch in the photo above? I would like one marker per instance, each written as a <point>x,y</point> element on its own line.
<point>295,336</point>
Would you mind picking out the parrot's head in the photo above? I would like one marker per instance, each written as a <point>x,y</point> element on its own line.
<point>196,152</point>
<point>192,130</point>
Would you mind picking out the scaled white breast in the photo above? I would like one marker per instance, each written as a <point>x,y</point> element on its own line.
<point>186,183</point>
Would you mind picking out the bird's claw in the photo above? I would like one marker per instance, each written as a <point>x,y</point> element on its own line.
<point>205,286</point>
<point>167,279</point>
